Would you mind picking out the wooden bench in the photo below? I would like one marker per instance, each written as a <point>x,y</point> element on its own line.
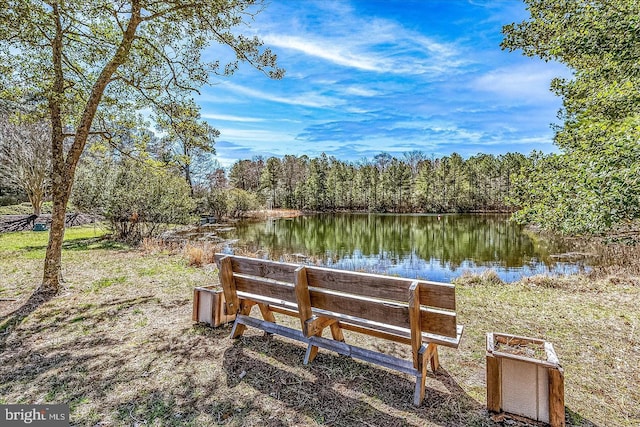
<point>413,312</point>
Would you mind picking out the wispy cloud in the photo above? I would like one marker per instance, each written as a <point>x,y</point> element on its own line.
<point>371,44</point>
<point>307,99</point>
<point>231,118</point>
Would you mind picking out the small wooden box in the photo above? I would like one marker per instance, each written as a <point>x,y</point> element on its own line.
<point>208,306</point>
<point>524,377</point>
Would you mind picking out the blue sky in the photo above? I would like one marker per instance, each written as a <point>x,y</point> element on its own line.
<point>371,75</point>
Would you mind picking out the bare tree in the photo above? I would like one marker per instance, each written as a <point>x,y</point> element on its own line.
<point>25,159</point>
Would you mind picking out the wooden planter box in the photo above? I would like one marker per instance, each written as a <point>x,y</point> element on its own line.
<point>524,377</point>
<point>208,306</point>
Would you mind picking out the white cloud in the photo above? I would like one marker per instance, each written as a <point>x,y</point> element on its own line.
<point>309,99</point>
<point>525,82</point>
<point>230,118</point>
<point>256,136</point>
<point>375,45</point>
<point>325,50</point>
<point>361,91</point>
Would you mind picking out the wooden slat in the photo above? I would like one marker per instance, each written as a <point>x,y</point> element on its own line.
<point>281,310</point>
<point>438,322</point>
<point>370,309</point>
<point>434,294</point>
<point>414,322</point>
<point>229,286</point>
<point>267,288</point>
<point>438,295</point>
<point>377,333</point>
<point>494,384</point>
<point>262,268</point>
<point>556,397</point>
<point>272,302</point>
<point>362,284</point>
<point>445,341</point>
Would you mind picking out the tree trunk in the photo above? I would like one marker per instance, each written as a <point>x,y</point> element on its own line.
<point>53,258</point>
<point>63,170</point>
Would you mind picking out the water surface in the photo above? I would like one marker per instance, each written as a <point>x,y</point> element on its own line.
<point>433,247</point>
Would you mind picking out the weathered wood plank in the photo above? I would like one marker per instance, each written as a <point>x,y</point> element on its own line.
<point>365,308</point>
<point>438,295</point>
<point>303,298</point>
<point>556,398</point>
<point>494,384</point>
<point>196,304</point>
<point>232,304</point>
<point>452,342</point>
<point>376,333</point>
<point>439,322</point>
<point>414,322</point>
<point>261,268</point>
<point>434,294</point>
<point>267,288</point>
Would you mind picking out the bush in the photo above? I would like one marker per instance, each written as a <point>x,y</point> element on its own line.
<point>240,202</point>
<point>138,198</point>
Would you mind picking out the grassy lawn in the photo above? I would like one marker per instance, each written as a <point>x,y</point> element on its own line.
<point>117,344</point>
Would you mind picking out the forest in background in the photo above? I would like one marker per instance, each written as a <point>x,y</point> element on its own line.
<point>415,182</point>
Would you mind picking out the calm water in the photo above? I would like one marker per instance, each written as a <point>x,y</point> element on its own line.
<point>418,246</point>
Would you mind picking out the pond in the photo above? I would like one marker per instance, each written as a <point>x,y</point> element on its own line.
<point>432,247</point>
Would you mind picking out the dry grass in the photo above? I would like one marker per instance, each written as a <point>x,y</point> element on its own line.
<point>118,345</point>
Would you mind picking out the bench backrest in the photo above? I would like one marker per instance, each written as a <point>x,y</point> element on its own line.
<point>371,297</point>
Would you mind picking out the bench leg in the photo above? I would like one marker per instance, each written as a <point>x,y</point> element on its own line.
<point>432,355</point>
<point>238,328</point>
<point>418,394</point>
<point>267,315</point>
<point>336,332</point>
<point>312,350</point>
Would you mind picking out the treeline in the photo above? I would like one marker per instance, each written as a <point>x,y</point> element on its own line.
<point>412,183</point>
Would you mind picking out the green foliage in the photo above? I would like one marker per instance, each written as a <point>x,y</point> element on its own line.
<point>240,202</point>
<point>413,183</point>
<point>91,67</point>
<point>138,198</point>
<point>217,202</point>
<point>593,185</point>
